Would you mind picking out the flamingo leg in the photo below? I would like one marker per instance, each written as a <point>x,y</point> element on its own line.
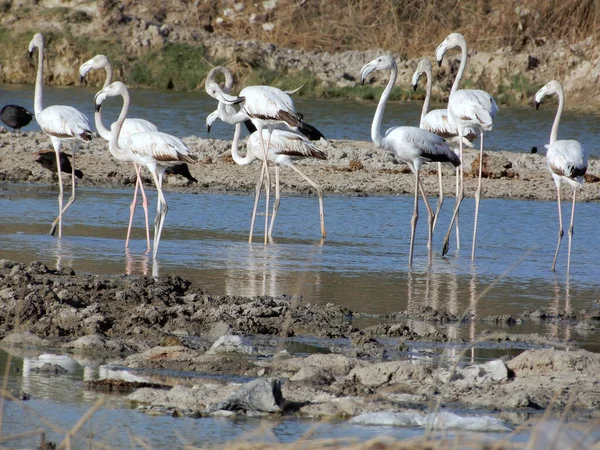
<point>139,184</point>
<point>459,186</point>
<point>132,206</point>
<point>430,221</point>
<point>440,201</point>
<point>277,201</point>
<point>145,206</point>
<point>414,220</point>
<point>459,199</point>
<point>319,190</point>
<point>560,227</point>
<point>256,197</point>
<point>571,230</point>
<point>57,144</point>
<point>477,197</point>
<point>161,210</point>
<point>268,179</point>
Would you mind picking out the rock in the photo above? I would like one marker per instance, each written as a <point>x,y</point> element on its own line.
<point>262,395</point>
<point>376,375</point>
<point>440,421</point>
<point>550,361</point>
<point>491,372</point>
<point>314,376</point>
<point>96,343</point>
<point>231,344</point>
<point>49,369</point>
<point>26,338</point>
<point>494,166</point>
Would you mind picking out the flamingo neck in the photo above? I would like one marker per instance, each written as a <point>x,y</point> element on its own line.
<point>461,69</point>
<point>38,106</point>
<point>242,161</point>
<point>113,143</point>
<point>561,105</point>
<point>109,74</point>
<point>376,126</point>
<point>228,114</point>
<point>425,109</point>
<point>102,130</point>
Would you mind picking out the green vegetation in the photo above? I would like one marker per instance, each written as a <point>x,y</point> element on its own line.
<point>174,66</point>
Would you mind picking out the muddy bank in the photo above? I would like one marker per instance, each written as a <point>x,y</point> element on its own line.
<point>169,323</point>
<point>352,168</point>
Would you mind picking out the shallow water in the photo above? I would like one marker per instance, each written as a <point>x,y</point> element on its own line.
<point>361,264</point>
<point>184,113</point>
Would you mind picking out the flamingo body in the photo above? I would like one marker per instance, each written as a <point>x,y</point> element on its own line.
<point>410,144</point>
<point>61,124</point>
<point>567,162</point>
<point>154,149</point>
<point>467,108</point>
<point>120,152</point>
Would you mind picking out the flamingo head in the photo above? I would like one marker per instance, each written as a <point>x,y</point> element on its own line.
<point>112,90</point>
<point>424,67</point>
<point>452,40</point>
<point>212,87</point>
<point>383,62</point>
<point>552,87</point>
<point>97,62</point>
<point>210,119</point>
<point>36,42</point>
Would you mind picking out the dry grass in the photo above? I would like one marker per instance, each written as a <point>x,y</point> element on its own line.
<point>412,27</point>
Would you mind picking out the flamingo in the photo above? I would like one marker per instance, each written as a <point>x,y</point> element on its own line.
<point>467,108</point>
<point>566,161</point>
<point>437,122</point>
<point>153,149</point>
<point>61,124</point>
<point>410,144</point>
<point>130,126</point>
<point>285,147</point>
<point>265,106</point>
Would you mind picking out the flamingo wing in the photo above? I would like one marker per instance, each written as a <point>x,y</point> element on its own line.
<point>161,147</point>
<point>65,122</point>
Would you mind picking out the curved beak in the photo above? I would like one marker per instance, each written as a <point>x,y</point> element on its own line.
<point>30,53</point>
<point>440,52</point>
<point>366,71</point>
<point>228,99</point>
<point>537,104</point>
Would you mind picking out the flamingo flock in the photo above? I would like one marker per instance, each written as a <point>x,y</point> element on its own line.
<point>279,136</point>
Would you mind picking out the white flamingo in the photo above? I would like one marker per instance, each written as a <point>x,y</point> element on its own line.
<point>62,124</point>
<point>285,147</point>
<point>153,149</point>
<point>566,161</point>
<point>437,122</point>
<point>467,108</point>
<point>410,144</point>
<point>266,107</point>
<point>130,126</point>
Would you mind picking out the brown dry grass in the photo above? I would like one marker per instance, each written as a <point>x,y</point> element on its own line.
<point>413,26</point>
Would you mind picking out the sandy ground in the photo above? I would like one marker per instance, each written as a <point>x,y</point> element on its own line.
<point>352,168</point>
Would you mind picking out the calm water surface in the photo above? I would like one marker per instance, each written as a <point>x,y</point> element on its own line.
<point>184,113</point>
<point>362,263</point>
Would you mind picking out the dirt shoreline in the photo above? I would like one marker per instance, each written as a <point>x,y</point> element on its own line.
<point>352,168</point>
<point>169,323</point>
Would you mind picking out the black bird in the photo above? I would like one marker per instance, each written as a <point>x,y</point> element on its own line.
<point>15,116</point>
<point>306,129</point>
<point>181,169</point>
<point>47,158</point>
